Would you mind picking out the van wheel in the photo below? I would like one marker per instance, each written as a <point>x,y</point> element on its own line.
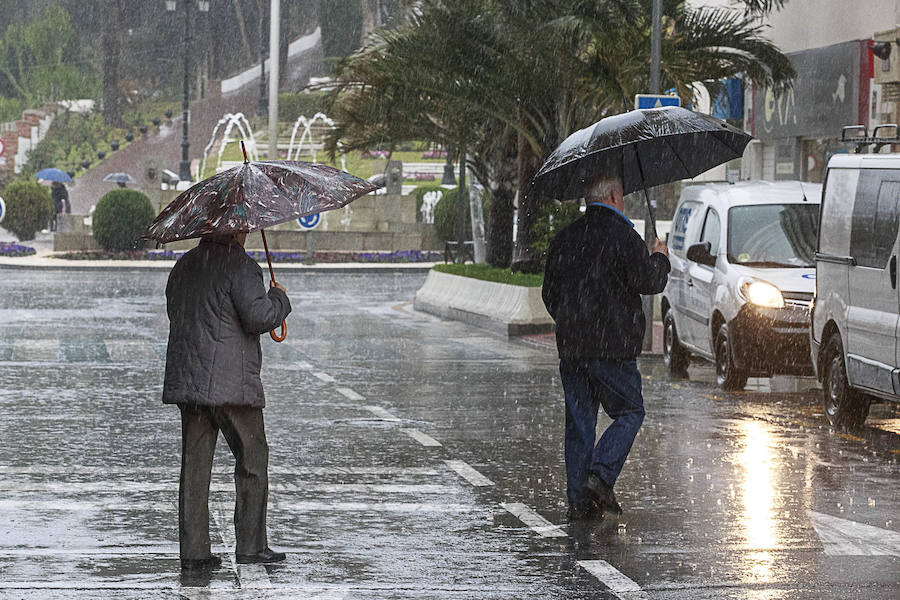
<point>844,406</point>
<point>728,376</point>
<point>675,356</point>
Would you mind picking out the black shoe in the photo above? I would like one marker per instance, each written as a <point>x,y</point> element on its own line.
<point>264,556</point>
<point>583,511</point>
<point>602,495</point>
<point>196,564</point>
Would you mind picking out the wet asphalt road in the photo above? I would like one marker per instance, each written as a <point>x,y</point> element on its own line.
<point>415,458</point>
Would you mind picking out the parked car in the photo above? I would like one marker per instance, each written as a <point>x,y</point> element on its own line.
<point>742,279</point>
<point>856,310</point>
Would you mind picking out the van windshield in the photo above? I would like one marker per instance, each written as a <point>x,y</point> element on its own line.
<point>773,235</point>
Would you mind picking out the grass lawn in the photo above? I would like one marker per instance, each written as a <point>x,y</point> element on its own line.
<point>488,273</point>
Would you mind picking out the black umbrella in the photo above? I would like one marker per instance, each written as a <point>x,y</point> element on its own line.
<point>645,148</point>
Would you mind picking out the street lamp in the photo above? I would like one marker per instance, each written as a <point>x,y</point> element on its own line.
<point>184,168</point>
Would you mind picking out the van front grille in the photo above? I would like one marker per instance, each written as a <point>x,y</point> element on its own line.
<point>797,299</point>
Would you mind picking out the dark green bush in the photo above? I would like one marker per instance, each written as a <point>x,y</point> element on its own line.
<point>445,215</point>
<point>28,208</point>
<point>553,217</point>
<point>121,217</point>
<point>292,106</point>
<point>420,192</point>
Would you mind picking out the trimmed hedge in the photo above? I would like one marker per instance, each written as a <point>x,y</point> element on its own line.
<point>489,273</point>
<point>292,106</point>
<point>121,218</point>
<point>28,208</point>
<point>445,215</point>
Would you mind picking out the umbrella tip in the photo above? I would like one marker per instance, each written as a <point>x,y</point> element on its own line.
<point>244,150</point>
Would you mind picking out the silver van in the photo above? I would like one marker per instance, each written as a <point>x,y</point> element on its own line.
<point>855,319</point>
<point>742,278</point>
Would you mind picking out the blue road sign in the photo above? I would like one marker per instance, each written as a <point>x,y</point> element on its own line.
<point>655,100</point>
<point>2,209</point>
<point>310,221</point>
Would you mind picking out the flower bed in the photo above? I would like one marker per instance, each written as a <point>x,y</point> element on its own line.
<point>13,249</point>
<point>401,256</point>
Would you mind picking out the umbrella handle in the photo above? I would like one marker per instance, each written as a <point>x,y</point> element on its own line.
<point>279,337</point>
<point>276,337</point>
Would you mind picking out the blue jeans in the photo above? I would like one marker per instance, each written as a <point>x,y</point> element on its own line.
<point>588,384</point>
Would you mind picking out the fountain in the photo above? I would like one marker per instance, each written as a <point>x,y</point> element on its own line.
<point>307,137</point>
<point>230,120</point>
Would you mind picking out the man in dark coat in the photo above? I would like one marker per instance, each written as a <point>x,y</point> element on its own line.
<point>218,307</point>
<point>597,268</point>
<point>60,196</point>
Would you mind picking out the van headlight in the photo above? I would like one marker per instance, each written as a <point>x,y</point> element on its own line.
<point>761,293</point>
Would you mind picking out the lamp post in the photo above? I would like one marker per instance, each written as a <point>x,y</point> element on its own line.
<point>184,167</point>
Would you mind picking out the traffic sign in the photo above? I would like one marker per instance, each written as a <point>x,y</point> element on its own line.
<point>2,209</point>
<point>310,221</point>
<point>2,146</point>
<point>655,100</point>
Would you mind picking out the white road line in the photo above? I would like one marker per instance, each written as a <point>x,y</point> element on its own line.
<point>137,487</point>
<point>468,473</point>
<point>301,470</point>
<point>324,377</point>
<point>842,537</point>
<point>422,438</point>
<point>533,520</point>
<point>350,394</point>
<point>253,577</point>
<point>381,413</point>
<point>38,350</point>
<point>369,507</point>
<point>304,366</point>
<point>615,580</point>
<point>129,350</point>
<point>68,505</point>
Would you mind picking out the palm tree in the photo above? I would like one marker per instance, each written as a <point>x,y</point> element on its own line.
<point>511,78</point>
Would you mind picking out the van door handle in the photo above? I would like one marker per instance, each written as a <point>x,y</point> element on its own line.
<point>894,271</point>
<point>690,283</point>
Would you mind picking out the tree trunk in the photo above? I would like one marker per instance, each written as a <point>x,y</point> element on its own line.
<point>525,258</point>
<point>112,49</point>
<point>369,19</point>
<point>503,196</point>
<point>239,17</point>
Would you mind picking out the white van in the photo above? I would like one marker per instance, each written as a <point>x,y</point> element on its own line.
<point>742,279</point>
<point>856,310</point>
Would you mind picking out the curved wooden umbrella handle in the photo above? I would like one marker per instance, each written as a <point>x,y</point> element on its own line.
<point>279,337</point>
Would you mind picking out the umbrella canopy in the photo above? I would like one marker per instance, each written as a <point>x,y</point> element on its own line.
<point>53,174</point>
<point>120,178</point>
<point>645,148</point>
<point>253,196</point>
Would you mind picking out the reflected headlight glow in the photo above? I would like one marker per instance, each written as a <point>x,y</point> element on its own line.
<point>762,293</point>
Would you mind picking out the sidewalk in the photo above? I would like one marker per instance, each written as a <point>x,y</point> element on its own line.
<point>548,340</point>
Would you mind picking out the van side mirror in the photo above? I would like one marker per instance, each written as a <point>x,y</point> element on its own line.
<point>701,253</point>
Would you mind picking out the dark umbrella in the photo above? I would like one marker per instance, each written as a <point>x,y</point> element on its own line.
<point>253,196</point>
<point>120,178</point>
<point>53,174</point>
<point>645,148</point>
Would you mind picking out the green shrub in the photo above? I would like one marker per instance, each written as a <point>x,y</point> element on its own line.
<point>495,274</point>
<point>121,218</point>
<point>445,215</point>
<point>420,192</point>
<point>292,106</point>
<point>553,217</point>
<point>28,208</point>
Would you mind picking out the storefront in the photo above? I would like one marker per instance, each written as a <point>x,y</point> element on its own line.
<point>797,131</point>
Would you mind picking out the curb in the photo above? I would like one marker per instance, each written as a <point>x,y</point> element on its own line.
<point>60,264</point>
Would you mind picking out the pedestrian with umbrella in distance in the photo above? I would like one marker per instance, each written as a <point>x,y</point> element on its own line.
<point>598,267</point>
<point>218,307</point>
<point>58,192</point>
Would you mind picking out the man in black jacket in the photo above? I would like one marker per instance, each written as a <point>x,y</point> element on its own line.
<point>597,268</point>
<point>218,306</point>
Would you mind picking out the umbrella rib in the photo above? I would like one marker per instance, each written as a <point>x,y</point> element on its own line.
<point>684,166</point>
